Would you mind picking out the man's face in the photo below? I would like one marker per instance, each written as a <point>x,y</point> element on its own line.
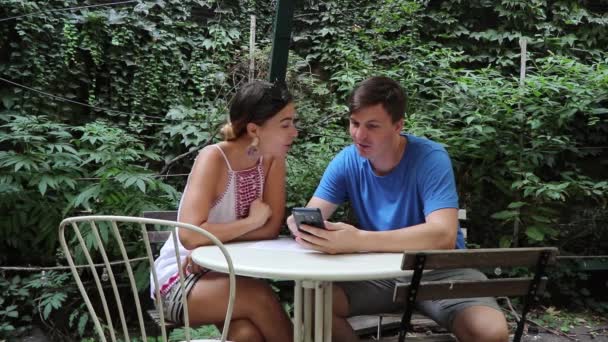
<point>373,132</point>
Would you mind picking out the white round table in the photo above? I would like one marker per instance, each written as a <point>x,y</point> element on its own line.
<point>313,273</point>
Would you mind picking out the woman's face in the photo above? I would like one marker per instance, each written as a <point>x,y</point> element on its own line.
<point>278,133</point>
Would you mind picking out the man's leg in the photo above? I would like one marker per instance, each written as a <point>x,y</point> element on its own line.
<point>360,298</point>
<point>341,329</point>
<point>480,323</point>
<point>470,319</point>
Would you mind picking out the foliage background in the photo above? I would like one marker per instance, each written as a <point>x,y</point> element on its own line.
<point>146,85</point>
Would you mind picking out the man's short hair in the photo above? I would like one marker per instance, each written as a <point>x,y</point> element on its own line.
<point>379,90</point>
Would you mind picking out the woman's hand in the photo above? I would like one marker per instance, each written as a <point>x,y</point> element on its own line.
<point>189,266</point>
<point>259,212</point>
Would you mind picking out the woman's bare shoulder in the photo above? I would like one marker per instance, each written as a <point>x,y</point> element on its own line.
<point>209,160</point>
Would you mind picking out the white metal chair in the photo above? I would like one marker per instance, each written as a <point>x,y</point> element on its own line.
<point>96,248</point>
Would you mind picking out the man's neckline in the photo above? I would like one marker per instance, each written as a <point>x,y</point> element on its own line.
<point>403,143</point>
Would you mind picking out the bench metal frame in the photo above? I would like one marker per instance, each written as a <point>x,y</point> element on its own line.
<point>530,288</point>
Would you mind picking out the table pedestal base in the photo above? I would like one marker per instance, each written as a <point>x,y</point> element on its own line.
<point>309,296</point>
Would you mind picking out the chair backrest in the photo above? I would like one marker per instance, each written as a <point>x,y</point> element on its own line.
<point>476,258</point>
<point>99,252</point>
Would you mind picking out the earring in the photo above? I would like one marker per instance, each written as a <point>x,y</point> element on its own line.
<point>252,149</point>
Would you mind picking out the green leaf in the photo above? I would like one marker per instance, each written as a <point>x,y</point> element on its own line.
<point>85,196</point>
<point>505,215</point>
<point>505,241</point>
<point>44,182</point>
<point>141,185</point>
<point>542,219</point>
<point>82,323</point>
<point>7,100</point>
<point>597,111</point>
<point>535,234</point>
<point>129,181</point>
<point>516,205</point>
<point>208,44</point>
<point>47,311</point>
<point>116,18</point>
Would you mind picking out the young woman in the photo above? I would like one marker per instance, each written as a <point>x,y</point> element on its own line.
<point>236,191</point>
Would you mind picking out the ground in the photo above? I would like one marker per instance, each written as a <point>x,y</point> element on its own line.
<point>549,325</point>
<point>546,324</point>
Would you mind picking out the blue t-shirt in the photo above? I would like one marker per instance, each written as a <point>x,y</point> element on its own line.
<point>421,183</point>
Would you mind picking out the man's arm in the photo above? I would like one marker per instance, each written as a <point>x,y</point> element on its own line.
<point>438,232</point>
<point>327,209</point>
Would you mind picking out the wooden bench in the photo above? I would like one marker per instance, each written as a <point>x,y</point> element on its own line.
<point>528,287</point>
<point>368,323</point>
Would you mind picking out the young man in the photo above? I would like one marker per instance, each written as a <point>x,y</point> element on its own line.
<point>403,193</point>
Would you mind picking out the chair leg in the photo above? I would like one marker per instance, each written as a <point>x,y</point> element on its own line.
<point>410,300</point>
<point>379,329</point>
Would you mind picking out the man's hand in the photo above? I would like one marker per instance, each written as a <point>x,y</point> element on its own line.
<point>338,238</point>
<point>293,228</point>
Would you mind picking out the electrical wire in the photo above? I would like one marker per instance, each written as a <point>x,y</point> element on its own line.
<point>68,9</point>
<point>42,268</point>
<point>60,98</point>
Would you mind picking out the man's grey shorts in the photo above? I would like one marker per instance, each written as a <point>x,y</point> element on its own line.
<point>376,296</point>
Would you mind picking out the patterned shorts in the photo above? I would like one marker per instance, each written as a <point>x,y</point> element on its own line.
<point>172,300</point>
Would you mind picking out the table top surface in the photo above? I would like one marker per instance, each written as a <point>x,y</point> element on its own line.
<point>285,259</point>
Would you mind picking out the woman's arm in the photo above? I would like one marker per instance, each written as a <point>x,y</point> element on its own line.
<point>274,196</point>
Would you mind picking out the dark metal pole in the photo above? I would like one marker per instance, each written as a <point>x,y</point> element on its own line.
<point>281,38</point>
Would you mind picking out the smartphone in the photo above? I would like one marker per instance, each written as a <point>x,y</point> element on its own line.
<point>309,216</point>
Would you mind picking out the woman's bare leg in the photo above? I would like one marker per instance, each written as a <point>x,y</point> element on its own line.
<point>255,302</point>
<point>242,330</point>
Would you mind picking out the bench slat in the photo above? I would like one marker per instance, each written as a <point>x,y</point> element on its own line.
<point>163,235</point>
<point>469,288</point>
<point>169,215</point>
<point>158,236</point>
<point>478,258</point>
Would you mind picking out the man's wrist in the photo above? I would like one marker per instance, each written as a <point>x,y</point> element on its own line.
<point>362,240</point>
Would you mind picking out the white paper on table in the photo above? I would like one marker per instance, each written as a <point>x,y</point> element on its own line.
<point>283,245</point>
